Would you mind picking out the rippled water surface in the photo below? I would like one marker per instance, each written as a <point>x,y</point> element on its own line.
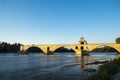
<point>37,66</point>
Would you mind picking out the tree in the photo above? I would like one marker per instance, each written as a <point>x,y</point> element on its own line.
<point>118,40</point>
<point>7,47</point>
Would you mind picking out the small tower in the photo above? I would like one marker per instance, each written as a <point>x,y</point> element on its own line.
<point>83,46</point>
<point>82,41</point>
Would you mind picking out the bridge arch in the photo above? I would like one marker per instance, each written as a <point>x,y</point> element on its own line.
<point>34,48</point>
<point>66,49</point>
<point>69,47</point>
<point>111,46</point>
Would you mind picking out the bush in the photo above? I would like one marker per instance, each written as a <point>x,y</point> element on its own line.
<point>106,71</point>
<point>118,40</point>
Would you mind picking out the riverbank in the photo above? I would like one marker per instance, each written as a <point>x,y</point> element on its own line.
<point>107,71</point>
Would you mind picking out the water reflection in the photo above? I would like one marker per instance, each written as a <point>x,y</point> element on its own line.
<point>84,61</point>
<point>89,64</point>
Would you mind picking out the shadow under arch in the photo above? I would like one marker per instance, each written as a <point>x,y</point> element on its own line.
<point>63,49</point>
<point>104,48</point>
<point>34,49</point>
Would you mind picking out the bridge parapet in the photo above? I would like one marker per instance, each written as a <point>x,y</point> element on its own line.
<point>113,45</point>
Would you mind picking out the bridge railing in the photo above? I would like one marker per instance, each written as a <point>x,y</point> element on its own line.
<point>66,44</point>
<point>100,43</point>
<point>49,44</point>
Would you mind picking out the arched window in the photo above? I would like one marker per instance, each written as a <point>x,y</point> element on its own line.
<point>76,47</point>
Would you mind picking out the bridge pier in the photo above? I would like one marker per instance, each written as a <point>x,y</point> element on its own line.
<point>49,52</point>
<point>78,52</point>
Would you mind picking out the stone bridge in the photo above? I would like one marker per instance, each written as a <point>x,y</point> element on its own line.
<point>77,48</point>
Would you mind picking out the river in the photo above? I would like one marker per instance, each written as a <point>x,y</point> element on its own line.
<point>37,66</point>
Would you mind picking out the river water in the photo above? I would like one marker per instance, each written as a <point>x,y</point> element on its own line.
<point>37,66</point>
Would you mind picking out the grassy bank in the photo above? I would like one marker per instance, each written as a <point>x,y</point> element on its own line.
<point>107,70</point>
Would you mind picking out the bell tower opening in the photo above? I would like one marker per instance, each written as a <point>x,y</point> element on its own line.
<point>82,41</point>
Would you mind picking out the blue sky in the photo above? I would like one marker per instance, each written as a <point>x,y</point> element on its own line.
<point>59,21</point>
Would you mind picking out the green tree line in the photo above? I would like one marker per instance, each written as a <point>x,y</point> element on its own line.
<point>118,40</point>
<point>7,47</point>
